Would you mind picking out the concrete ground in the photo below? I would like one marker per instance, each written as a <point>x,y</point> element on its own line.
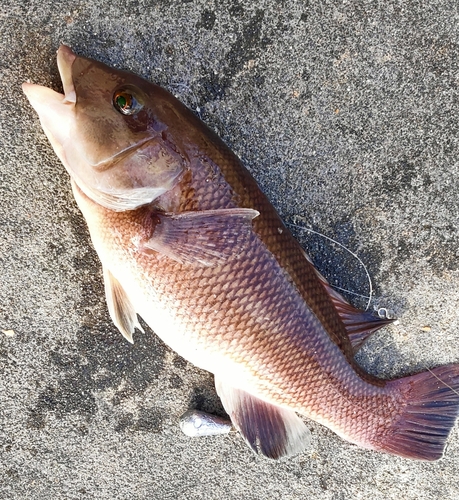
<point>346,113</point>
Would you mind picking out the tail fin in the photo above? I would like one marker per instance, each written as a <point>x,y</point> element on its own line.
<point>428,415</point>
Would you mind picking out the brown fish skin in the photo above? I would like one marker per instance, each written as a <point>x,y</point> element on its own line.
<point>260,318</point>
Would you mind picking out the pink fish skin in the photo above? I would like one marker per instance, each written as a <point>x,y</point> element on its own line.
<point>189,242</point>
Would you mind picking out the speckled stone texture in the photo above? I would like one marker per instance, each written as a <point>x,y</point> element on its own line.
<point>346,114</point>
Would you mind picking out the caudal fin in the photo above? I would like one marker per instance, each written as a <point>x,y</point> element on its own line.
<point>429,412</point>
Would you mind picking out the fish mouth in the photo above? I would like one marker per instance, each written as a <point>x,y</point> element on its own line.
<point>38,94</point>
<point>46,101</point>
<point>65,60</point>
<point>54,109</point>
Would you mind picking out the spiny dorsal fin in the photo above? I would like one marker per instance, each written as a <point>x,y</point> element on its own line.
<point>120,307</point>
<point>273,431</point>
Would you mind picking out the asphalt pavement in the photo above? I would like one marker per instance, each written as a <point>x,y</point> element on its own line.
<point>346,113</point>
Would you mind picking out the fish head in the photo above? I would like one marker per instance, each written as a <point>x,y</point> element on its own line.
<point>107,131</point>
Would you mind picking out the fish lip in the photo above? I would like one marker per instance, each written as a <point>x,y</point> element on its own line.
<point>65,59</point>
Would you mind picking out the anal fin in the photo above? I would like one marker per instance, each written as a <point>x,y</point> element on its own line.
<point>273,431</point>
<point>120,307</point>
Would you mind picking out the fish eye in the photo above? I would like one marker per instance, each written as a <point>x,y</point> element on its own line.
<point>126,103</point>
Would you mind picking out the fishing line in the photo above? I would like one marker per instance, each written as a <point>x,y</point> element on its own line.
<point>444,383</point>
<point>370,285</point>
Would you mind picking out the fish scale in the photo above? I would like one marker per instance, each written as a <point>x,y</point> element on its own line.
<point>260,345</point>
<point>190,243</point>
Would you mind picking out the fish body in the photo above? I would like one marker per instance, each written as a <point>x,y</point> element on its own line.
<point>189,242</point>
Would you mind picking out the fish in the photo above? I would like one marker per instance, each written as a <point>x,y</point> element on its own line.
<point>189,242</point>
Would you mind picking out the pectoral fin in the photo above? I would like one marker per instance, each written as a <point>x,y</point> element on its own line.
<point>273,431</point>
<point>207,238</point>
<point>120,307</point>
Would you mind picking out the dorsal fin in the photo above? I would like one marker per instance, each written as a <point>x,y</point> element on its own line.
<point>359,324</point>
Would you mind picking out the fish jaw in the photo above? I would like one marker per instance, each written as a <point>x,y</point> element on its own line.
<point>55,113</point>
<point>119,162</point>
<point>65,60</point>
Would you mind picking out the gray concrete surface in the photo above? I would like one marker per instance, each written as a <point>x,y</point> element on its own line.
<point>346,113</point>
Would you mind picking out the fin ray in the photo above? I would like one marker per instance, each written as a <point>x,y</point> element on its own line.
<point>207,238</point>
<point>273,431</point>
<point>120,307</point>
<point>359,325</point>
<point>430,412</point>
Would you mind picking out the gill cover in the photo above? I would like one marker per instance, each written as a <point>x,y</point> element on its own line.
<point>105,132</point>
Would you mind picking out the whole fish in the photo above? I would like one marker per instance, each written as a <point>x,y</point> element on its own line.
<point>189,242</point>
